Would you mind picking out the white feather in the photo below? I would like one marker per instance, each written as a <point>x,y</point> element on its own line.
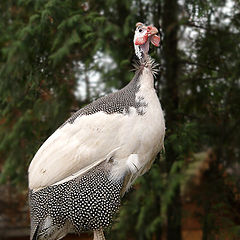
<point>150,131</point>
<point>75,148</point>
<point>133,163</point>
<point>86,169</point>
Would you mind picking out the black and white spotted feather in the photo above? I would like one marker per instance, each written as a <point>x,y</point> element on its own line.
<point>118,102</point>
<point>76,205</point>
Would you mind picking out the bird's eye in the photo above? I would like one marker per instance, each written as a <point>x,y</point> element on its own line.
<point>140,30</point>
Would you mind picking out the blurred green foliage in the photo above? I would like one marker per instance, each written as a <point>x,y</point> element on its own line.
<point>43,41</point>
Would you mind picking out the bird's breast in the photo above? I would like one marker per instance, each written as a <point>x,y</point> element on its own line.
<point>143,134</point>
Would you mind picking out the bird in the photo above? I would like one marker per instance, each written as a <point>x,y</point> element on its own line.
<point>80,173</point>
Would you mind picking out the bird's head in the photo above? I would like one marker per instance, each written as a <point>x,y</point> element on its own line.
<point>144,35</point>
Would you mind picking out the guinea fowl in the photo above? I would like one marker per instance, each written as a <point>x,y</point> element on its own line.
<point>80,173</point>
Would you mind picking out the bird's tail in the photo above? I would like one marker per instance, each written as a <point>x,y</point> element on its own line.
<point>34,235</point>
<point>46,230</point>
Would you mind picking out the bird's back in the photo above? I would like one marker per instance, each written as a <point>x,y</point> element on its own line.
<point>87,137</point>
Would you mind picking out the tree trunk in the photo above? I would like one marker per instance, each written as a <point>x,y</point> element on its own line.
<point>171,102</point>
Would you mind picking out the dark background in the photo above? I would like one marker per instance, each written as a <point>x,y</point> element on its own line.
<point>58,55</point>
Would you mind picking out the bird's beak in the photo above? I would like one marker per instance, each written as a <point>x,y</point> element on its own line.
<point>152,34</point>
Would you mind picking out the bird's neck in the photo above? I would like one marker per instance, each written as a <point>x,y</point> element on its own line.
<point>146,62</point>
<point>143,77</point>
<point>146,80</point>
<point>141,51</point>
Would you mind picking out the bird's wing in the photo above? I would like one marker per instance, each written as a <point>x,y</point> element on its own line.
<point>77,146</point>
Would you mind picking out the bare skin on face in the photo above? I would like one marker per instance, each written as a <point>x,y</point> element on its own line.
<point>144,35</point>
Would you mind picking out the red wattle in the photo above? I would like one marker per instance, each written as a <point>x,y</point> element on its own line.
<point>155,40</point>
<point>141,40</point>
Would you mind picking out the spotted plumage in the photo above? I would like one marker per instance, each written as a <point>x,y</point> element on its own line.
<point>80,173</point>
<point>75,205</point>
<point>117,102</point>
